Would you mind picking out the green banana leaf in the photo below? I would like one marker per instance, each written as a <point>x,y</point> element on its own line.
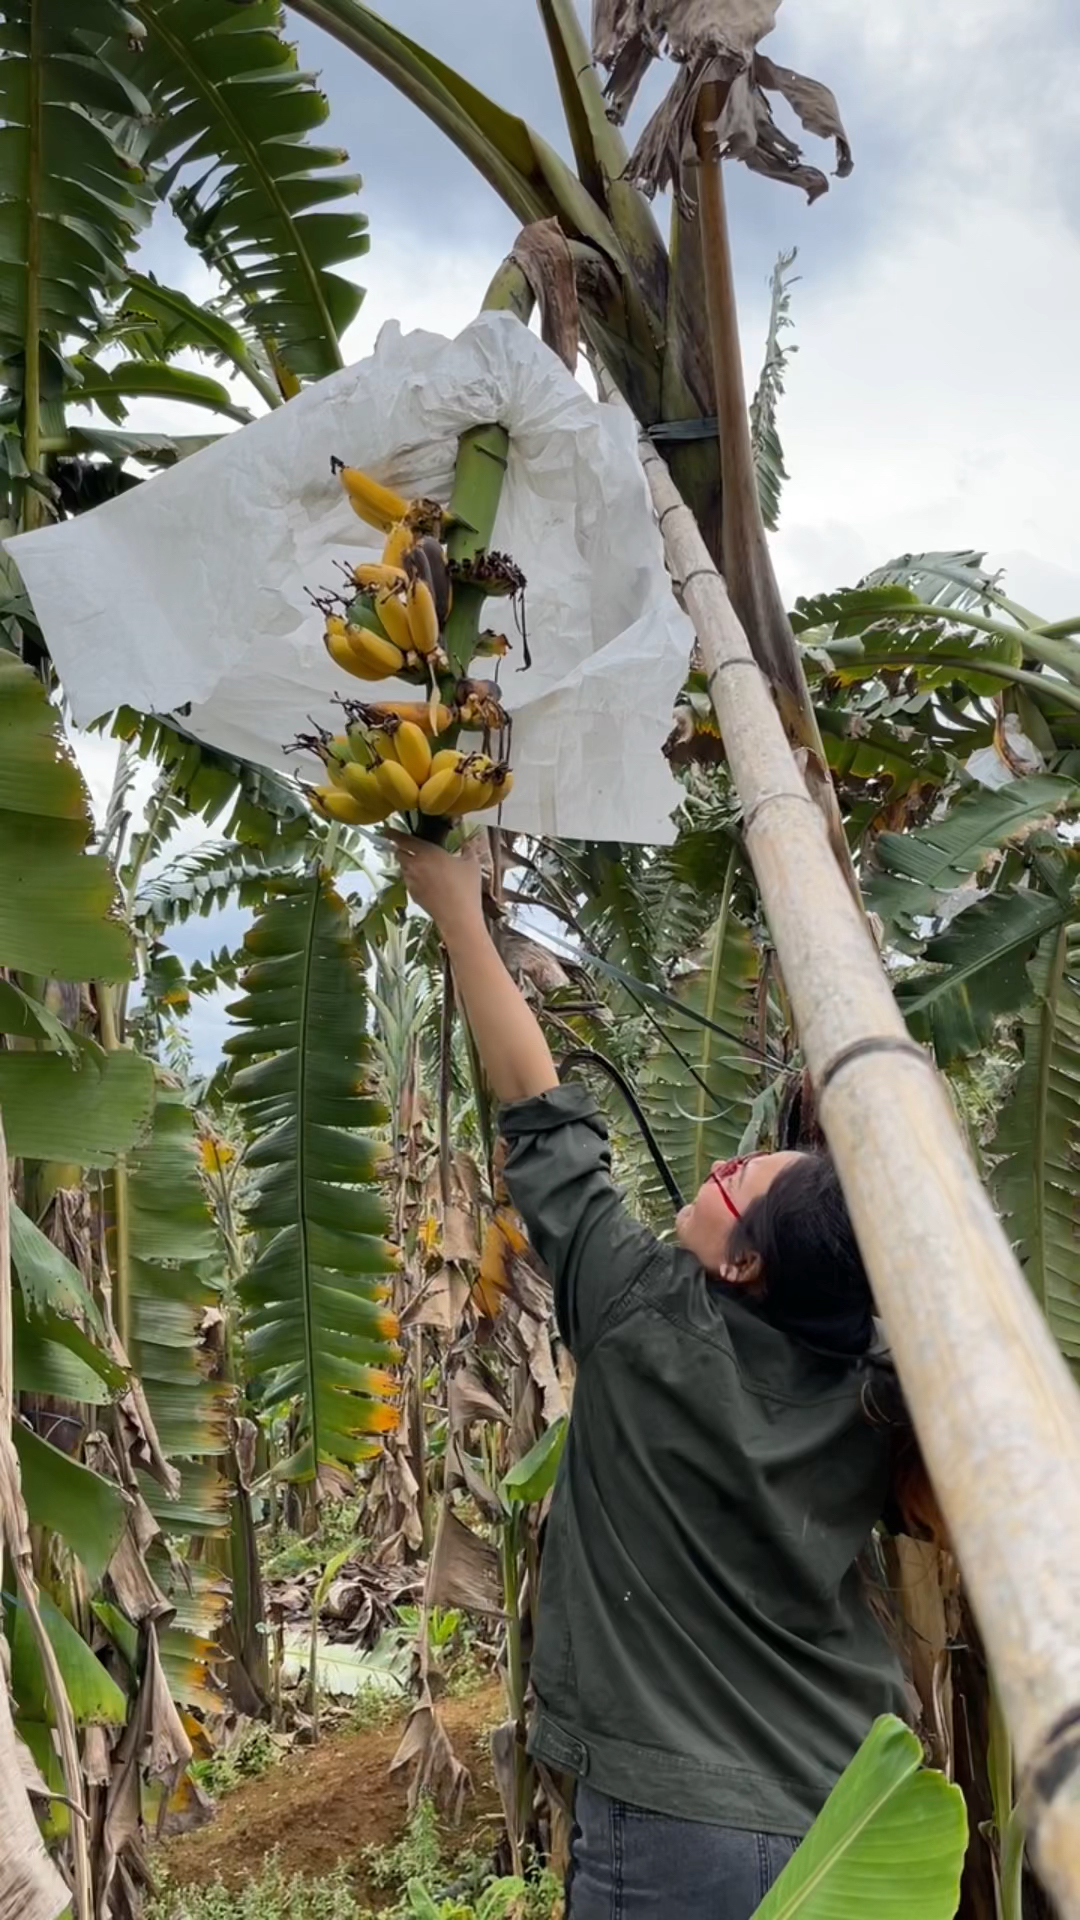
<point>190,1646</point>
<point>764,431</point>
<point>888,1844</point>
<point>57,902</point>
<point>264,807</point>
<point>982,971</point>
<point>696,1085</point>
<point>178,322</point>
<point>85,1116</point>
<point>1034,1171</point>
<point>71,202</point>
<point>54,1817</point>
<point>96,1700</point>
<point>229,99</point>
<point>918,868</point>
<point>315,1319</point>
<point>27,1019</point>
<point>49,1281</point>
<point>532,1477</point>
<point>89,1513</point>
<point>109,388</point>
<point>213,877</point>
<point>54,1357</point>
<point>202,1505</point>
<point>175,1302</point>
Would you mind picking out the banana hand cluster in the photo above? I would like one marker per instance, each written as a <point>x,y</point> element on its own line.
<point>390,766</point>
<point>387,760</point>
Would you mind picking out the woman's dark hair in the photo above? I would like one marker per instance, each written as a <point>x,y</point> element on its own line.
<point>815,1287</point>
<point>814,1284</point>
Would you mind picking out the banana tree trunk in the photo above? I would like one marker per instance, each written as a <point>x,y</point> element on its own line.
<point>30,1886</point>
<point>994,1406</point>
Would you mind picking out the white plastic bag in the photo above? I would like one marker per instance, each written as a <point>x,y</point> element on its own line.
<point>192,590</point>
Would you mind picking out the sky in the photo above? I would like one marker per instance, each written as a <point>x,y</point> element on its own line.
<point>934,401</point>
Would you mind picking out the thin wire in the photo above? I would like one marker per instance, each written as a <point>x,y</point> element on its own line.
<point>581,1055</point>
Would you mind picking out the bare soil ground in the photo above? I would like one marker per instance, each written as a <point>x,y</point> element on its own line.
<point>323,1805</point>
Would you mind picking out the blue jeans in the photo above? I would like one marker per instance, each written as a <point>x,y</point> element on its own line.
<point>631,1865</point>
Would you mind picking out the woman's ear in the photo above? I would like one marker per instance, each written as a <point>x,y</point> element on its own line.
<point>745,1271</point>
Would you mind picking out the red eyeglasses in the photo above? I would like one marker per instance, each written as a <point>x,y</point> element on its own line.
<point>726,1170</point>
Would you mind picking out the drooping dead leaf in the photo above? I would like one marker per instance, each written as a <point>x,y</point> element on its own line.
<point>459,1241</point>
<point>30,1887</point>
<point>464,1570</point>
<point>715,42</point>
<point>542,251</point>
<point>528,962</point>
<point>470,1398</point>
<point>153,1742</point>
<point>505,1742</point>
<point>425,1747</point>
<point>461,1470</point>
<point>186,1809</point>
<point>393,1503</point>
<point>136,1590</point>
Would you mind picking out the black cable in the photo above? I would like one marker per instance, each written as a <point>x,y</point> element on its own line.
<point>594,1059</point>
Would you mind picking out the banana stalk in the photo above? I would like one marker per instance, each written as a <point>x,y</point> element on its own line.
<point>478,484</point>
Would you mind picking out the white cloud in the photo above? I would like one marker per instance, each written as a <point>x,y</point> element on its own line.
<point>929,406</point>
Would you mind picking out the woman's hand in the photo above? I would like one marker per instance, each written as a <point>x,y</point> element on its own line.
<point>446,885</point>
<point>511,1044</point>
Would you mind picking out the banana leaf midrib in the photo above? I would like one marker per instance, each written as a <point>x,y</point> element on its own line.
<point>32,311</point>
<point>301,1172</point>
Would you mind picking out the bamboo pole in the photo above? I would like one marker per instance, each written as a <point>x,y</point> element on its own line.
<point>747,562</point>
<point>996,1411</point>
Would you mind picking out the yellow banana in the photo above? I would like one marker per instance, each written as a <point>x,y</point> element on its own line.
<point>372,573</point>
<point>375,659</point>
<point>484,784</point>
<point>398,541</point>
<point>364,788</point>
<point>390,608</point>
<point>423,619</point>
<point>447,757</point>
<point>413,750</point>
<point>441,792</point>
<point>381,742</point>
<point>341,653</point>
<point>378,506</point>
<point>399,787</point>
<point>501,784</point>
<point>344,809</point>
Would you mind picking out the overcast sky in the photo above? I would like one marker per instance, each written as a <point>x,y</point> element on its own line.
<point>935,398</point>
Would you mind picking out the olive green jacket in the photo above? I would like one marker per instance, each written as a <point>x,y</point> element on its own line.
<point>705,1647</point>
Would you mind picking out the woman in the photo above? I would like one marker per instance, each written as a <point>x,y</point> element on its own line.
<point>707,1662</point>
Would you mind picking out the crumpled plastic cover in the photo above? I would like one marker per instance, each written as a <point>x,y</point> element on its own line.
<point>192,590</point>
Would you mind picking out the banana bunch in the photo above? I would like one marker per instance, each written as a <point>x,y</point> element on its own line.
<point>390,766</point>
<point>388,759</point>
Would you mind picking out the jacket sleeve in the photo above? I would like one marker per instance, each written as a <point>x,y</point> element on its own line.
<point>558,1171</point>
